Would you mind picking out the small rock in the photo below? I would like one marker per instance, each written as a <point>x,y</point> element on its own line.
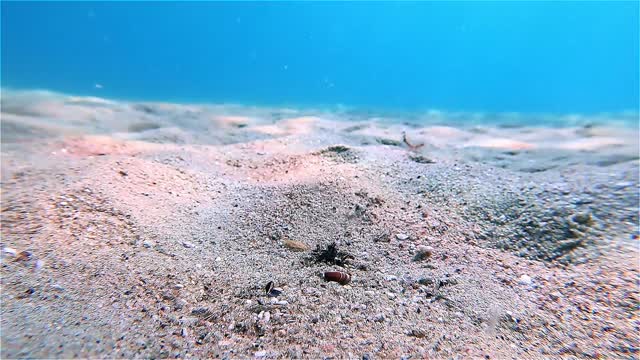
<point>525,280</point>
<point>10,251</point>
<point>391,295</point>
<point>402,236</point>
<point>57,287</point>
<point>294,245</point>
<point>147,244</point>
<point>423,252</point>
<point>218,259</point>
<point>379,317</point>
<point>39,264</point>
<point>260,354</point>
<point>200,311</point>
<point>419,333</point>
<point>184,332</point>
<point>179,304</point>
<point>179,286</point>
<point>266,317</point>
<point>623,184</point>
<point>188,245</point>
<point>583,218</point>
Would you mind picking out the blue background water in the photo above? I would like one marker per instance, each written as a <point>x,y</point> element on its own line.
<point>488,56</point>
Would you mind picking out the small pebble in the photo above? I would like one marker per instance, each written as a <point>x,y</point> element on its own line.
<point>179,286</point>
<point>525,280</point>
<point>10,251</point>
<point>180,303</point>
<point>147,244</point>
<point>188,245</point>
<point>260,354</point>
<point>39,264</point>
<point>200,311</point>
<point>379,317</point>
<point>402,236</point>
<point>423,252</point>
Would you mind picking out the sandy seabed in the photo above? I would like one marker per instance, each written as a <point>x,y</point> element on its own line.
<point>151,230</point>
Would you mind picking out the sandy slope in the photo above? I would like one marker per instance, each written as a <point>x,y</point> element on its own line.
<point>150,230</point>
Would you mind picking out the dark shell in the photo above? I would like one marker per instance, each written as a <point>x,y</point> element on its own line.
<point>337,276</point>
<point>270,290</point>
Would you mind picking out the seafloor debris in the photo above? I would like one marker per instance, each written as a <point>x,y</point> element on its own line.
<point>340,153</point>
<point>336,149</point>
<point>294,245</point>
<point>271,290</point>
<point>331,255</point>
<point>421,159</point>
<point>23,256</point>
<point>337,276</point>
<point>389,142</point>
<point>423,252</point>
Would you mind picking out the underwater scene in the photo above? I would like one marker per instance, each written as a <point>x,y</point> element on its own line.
<point>320,180</point>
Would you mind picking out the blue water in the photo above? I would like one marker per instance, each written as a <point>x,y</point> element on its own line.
<point>552,57</point>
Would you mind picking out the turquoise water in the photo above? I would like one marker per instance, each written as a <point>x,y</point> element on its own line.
<point>536,57</point>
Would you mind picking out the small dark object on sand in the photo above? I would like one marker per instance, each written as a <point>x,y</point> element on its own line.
<point>270,290</point>
<point>421,159</point>
<point>330,255</point>
<point>389,142</point>
<point>123,173</point>
<point>336,149</point>
<point>411,146</point>
<point>23,256</point>
<point>337,276</point>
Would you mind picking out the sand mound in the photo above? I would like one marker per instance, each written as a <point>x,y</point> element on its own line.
<point>157,234</point>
